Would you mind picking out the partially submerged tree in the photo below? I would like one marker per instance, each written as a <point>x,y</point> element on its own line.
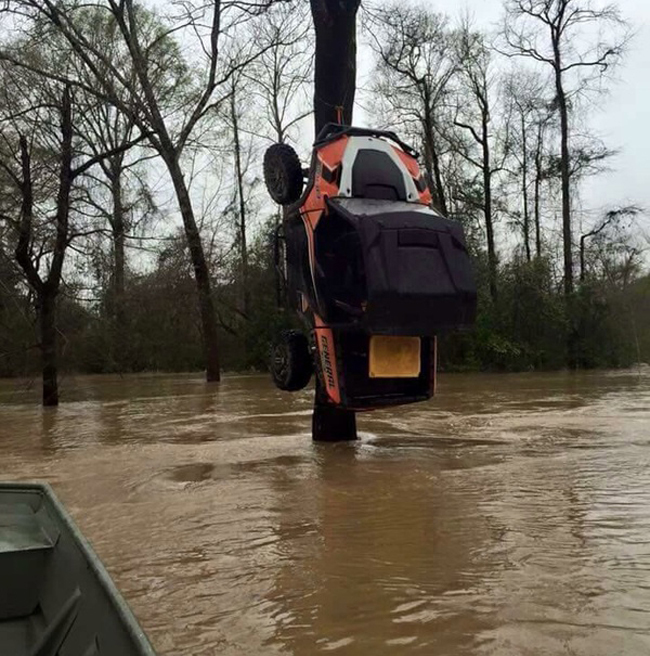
<point>167,98</point>
<point>42,172</point>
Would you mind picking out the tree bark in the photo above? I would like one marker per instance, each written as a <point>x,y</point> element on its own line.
<point>487,206</point>
<point>331,423</point>
<point>565,178</point>
<point>538,181</point>
<point>437,176</point>
<point>46,310</point>
<point>335,60</point>
<point>524,188</point>
<point>572,335</point>
<point>118,230</point>
<point>432,161</point>
<point>434,174</point>
<point>334,87</point>
<point>242,208</point>
<point>201,272</point>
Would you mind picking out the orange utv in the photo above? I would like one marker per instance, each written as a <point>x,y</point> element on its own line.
<point>373,271</point>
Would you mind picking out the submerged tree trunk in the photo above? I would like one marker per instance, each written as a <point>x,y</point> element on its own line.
<point>572,335</point>
<point>46,310</point>
<point>201,272</point>
<point>335,60</point>
<point>334,87</point>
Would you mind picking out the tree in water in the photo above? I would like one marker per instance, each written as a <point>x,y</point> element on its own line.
<point>335,71</point>
<point>42,182</point>
<point>168,113</point>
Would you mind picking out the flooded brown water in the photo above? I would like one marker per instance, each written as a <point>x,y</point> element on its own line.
<point>510,515</point>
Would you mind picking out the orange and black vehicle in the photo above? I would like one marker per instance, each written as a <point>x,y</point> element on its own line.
<point>372,270</point>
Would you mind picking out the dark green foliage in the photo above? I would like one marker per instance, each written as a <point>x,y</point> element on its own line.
<point>525,330</point>
<point>267,317</point>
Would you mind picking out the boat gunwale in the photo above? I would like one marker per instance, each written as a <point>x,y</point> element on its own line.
<point>117,601</point>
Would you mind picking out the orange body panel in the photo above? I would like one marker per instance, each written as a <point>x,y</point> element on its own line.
<point>328,160</point>
<point>409,162</point>
<point>330,156</point>
<point>327,354</point>
<point>414,169</point>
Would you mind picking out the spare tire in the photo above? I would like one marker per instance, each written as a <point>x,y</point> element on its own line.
<point>291,362</point>
<point>283,173</point>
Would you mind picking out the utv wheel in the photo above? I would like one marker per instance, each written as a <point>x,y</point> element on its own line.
<point>283,174</point>
<point>291,361</point>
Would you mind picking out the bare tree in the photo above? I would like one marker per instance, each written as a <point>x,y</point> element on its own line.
<point>42,173</point>
<point>475,118</point>
<point>529,116</point>
<point>612,220</point>
<point>281,77</point>
<point>417,60</point>
<point>540,155</point>
<point>566,35</point>
<point>336,60</point>
<point>234,116</point>
<point>167,111</point>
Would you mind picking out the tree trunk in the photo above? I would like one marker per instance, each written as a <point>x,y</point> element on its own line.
<point>46,310</point>
<point>201,272</point>
<point>487,207</point>
<point>118,314</point>
<point>331,423</point>
<point>572,336</point>
<point>428,169</point>
<point>335,60</point>
<point>538,181</point>
<point>434,175</point>
<point>242,208</point>
<point>432,161</point>
<point>565,177</point>
<point>334,87</point>
<point>437,176</point>
<point>524,188</point>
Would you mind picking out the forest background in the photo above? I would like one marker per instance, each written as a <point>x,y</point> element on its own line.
<point>136,233</point>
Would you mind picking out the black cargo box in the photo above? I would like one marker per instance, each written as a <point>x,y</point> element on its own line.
<point>392,268</point>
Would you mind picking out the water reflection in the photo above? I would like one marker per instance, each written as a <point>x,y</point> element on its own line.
<point>384,563</point>
<point>511,515</point>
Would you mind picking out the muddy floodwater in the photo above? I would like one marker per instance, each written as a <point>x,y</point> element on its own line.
<point>510,515</point>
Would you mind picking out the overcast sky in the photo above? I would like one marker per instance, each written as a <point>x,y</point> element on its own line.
<point>621,119</point>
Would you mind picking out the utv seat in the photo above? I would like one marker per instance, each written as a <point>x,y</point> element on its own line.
<point>375,175</point>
